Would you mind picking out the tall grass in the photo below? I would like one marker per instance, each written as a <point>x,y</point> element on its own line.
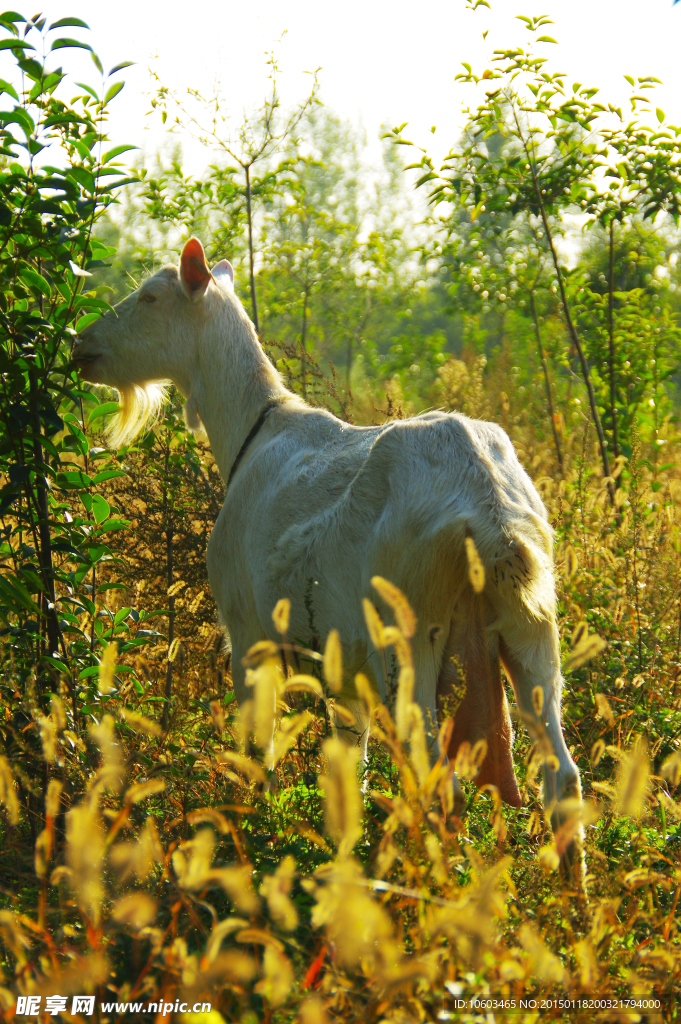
<point>293,884</point>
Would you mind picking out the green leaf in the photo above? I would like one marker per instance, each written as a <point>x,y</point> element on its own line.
<point>100,508</point>
<point>660,114</point>
<point>119,67</point>
<point>62,44</point>
<point>86,320</point>
<point>88,89</point>
<point>132,179</point>
<point>68,23</point>
<point>15,44</point>
<point>20,117</point>
<point>36,281</point>
<point>73,478</point>
<point>547,39</point>
<point>92,670</point>
<point>97,62</point>
<point>16,595</point>
<point>107,474</point>
<point>113,91</point>
<point>114,524</point>
<point>630,80</point>
<point>105,409</point>
<point>116,151</point>
<point>9,89</point>
<point>31,68</point>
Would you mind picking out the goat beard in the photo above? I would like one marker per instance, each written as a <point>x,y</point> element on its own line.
<point>138,410</point>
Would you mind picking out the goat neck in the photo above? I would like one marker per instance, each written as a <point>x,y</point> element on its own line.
<point>231,380</point>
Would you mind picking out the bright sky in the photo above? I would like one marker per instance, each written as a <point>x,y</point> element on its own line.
<point>381,60</point>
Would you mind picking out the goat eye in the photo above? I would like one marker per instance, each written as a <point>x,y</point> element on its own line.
<point>147,297</point>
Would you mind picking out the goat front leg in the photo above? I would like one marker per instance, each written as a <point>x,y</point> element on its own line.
<point>530,654</point>
<point>428,660</point>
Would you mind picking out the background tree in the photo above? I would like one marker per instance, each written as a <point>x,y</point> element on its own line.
<point>251,146</point>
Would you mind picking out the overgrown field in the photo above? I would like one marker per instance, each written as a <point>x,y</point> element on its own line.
<point>149,855</point>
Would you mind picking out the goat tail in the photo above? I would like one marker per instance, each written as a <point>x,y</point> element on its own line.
<point>519,563</point>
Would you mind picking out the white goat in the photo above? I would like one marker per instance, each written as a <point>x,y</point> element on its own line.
<point>310,498</point>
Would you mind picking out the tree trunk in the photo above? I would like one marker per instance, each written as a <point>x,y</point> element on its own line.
<point>169,581</point>
<point>254,299</point>
<point>602,443</point>
<point>547,381</point>
<point>303,333</point>
<point>45,553</point>
<point>611,343</point>
<point>171,627</point>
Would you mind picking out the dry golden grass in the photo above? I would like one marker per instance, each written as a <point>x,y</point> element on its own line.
<point>194,864</point>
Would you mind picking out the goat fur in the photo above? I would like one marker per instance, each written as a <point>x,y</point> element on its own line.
<point>318,507</point>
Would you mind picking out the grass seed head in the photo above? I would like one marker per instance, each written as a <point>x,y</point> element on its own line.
<point>333,662</point>
<point>312,1011</point>
<point>139,723</point>
<point>631,787</point>
<point>48,737</point>
<point>264,679</point>
<point>84,855</point>
<point>236,880</point>
<point>588,647</point>
<point>219,933</point>
<point>277,979</point>
<point>355,922</point>
<point>107,665</point>
<point>58,712</point>
<point>192,861</point>
<point>139,857</point>
<point>53,798</point>
<point>374,624</point>
<point>403,702</point>
<point>571,563</point>
<point>281,616</point>
<point>366,693</point>
<point>142,790</point>
<point>393,596</point>
<point>276,890</point>
<point>543,964</point>
<point>110,775</point>
<point>476,570</point>
<point>597,751</point>
<point>418,748</point>
<point>135,910</point>
<point>13,935</point>
<point>42,852</point>
<point>671,769</point>
<point>603,709</point>
<point>8,793</point>
<point>289,731</point>
<point>342,799</point>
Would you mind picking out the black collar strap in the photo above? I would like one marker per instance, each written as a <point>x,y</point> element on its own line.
<point>272,404</point>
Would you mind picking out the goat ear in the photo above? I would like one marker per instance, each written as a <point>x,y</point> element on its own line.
<point>194,272</point>
<point>225,270</point>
